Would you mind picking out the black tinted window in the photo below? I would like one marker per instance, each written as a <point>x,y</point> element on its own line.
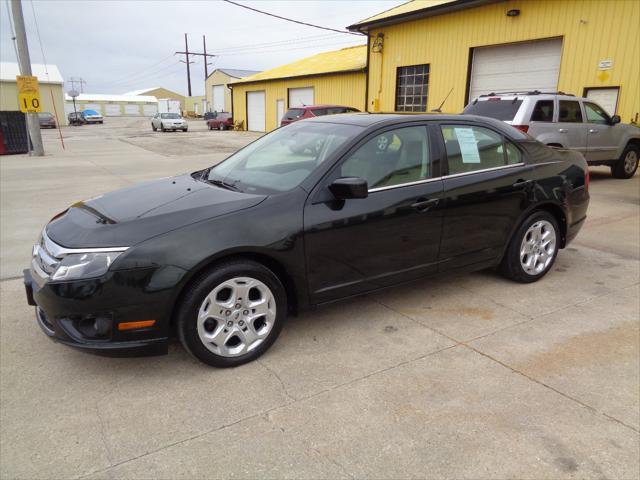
<point>595,114</point>
<point>499,109</point>
<point>293,113</point>
<point>569,112</point>
<point>543,111</point>
<point>318,112</point>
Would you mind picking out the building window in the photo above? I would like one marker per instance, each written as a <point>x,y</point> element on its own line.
<point>412,88</point>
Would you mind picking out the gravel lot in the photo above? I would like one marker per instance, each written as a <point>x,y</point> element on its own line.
<point>457,377</point>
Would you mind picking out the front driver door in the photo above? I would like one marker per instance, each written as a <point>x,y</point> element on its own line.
<point>393,235</point>
<point>602,143</point>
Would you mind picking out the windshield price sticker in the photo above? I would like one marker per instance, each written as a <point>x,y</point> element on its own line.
<point>468,145</point>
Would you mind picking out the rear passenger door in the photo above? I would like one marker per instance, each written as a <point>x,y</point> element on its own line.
<point>484,187</point>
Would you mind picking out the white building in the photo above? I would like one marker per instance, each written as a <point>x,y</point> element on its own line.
<point>114,105</point>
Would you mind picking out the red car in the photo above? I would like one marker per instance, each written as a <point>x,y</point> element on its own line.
<point>308,111</point>
<point>222,121</point>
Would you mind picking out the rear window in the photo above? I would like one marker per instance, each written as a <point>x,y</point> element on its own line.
<point>293,113</point>
<point>543,111</point>
<point>503,110</point>
<point>171,116</point>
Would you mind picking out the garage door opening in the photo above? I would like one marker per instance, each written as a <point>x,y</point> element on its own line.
<point>256,111</point>
<point>516,67</point>
<point>300,97</point>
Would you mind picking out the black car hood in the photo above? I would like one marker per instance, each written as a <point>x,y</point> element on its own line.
<point>134,214</point>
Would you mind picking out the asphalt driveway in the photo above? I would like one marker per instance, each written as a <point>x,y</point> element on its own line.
<point>458,377</point>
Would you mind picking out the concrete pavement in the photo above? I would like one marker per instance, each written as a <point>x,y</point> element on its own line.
<point>458,377</point>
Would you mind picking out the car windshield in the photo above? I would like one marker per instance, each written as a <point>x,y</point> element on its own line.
<point>174,116</point>
<point>90,112</point>
<point>499,109</point>
<point>282,159</point>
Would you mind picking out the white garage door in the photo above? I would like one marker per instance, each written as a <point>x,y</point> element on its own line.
<point>132,110</point>
<point>517,67</point>
<point>149,110</point>
<point>299,97</point>
<point>255,111</point>
<point>218,98</point>
<point>112,110</point>
<point>91,106</point>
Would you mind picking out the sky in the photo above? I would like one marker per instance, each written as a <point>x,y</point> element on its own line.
<point>120,46</point>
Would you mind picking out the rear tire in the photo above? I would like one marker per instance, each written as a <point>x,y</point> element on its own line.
<point>232,313</point>
<point>153,127</point>
<point>627,164</point>
<point>533,248</point>
<point>221,127</point>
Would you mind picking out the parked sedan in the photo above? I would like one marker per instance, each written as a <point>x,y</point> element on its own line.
<point>47,120</point>
<point>222,121</point>
<point>225,254</point>
<point>168,121</point>
<point>565,121</point>
<point>76,118</point>
<point>310,111</point>
<point>91,116</point>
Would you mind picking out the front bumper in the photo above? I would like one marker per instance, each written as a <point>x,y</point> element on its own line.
<point>63,308</point>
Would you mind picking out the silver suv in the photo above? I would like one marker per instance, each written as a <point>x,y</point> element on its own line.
<point>565,121</point>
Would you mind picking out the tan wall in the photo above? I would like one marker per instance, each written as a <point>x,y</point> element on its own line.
<point>219,78</point>
<point>340,89</point>
<point>9,98</point>
<point>189,101</point>
<point>592,30</point>
<point>164,93</point>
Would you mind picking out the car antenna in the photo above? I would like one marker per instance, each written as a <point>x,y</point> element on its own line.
<point>439,109</point>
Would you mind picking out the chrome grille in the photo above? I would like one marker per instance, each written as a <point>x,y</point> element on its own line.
<point>45,255</point>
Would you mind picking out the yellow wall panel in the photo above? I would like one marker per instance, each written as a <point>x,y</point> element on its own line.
<point>592,30</point>
<point>342,89</point>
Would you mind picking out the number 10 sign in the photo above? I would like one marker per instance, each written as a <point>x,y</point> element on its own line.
<point>28,94</point>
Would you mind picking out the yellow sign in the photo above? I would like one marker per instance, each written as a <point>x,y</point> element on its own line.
<point>28,93</point>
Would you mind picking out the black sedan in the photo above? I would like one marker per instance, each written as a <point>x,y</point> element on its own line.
<point>313,212</point>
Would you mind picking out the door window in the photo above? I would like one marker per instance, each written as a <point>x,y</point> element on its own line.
<point>543,111</point>
<point>569,112</point>
<point>394,157</point>
<point>471,148</point>
<point>595,114</point>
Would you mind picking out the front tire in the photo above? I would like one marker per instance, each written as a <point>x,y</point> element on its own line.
<point>153,127</point>
<point>533,249</point>
<point>162,127</point>
<point>232,313</point>
<point>627,164</point>
<point>220,126</point>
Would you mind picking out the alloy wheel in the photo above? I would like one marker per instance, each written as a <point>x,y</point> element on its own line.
<point>236,316</point>
<point>630,161</point>
<point>538,247</point>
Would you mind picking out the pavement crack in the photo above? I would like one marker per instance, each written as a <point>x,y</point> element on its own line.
<point>103,435</point>
<point>275,374</point>
<point>545,385</point>
<point>334,461</point>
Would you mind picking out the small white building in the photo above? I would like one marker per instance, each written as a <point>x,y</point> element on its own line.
<point>114,105</point>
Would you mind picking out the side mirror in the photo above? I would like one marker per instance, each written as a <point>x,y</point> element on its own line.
<point>615,119</point>
<point>349,187</point>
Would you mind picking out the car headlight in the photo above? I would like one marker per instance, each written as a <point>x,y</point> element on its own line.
<point>84,265</point>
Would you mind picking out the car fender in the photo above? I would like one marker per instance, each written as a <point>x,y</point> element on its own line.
<point>627,134</point>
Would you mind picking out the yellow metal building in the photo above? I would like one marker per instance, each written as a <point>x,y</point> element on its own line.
<point>336,77</point>
<point>51,88</point>
<point>217,88</point>
<point>422,51</point>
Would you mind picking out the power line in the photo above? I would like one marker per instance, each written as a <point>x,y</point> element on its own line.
<point>285,49</point>
<point>13,32</point>
<point>290,19</point>
<point>278,43</point>
<point>143,71</point>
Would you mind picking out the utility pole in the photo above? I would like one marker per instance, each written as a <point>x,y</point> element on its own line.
<point>25,69</point>
<point>187,53</point>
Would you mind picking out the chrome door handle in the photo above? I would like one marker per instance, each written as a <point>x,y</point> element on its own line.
<point>563,130</point>
<point>423,204</point>
<point>593,130</point>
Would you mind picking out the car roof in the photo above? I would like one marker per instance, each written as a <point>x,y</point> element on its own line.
<point>384,119</point>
